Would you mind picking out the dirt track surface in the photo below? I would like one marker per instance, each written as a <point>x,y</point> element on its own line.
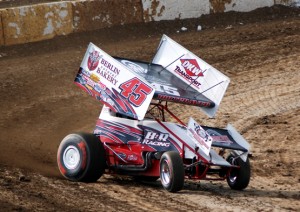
<point>259,51</point>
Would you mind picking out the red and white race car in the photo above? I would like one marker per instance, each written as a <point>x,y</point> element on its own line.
<point>133,136</point>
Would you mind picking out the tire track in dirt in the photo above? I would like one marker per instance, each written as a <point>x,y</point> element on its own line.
<point>144,196</point>
<point>73,196</point>
<point>268,95</point>
<point>40,102</point>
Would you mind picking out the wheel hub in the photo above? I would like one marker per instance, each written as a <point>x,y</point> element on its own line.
<point>232,177</point>
<point>165,173</point>
<point>71,157</point>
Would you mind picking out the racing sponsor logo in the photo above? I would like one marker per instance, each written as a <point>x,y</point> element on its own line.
<point>156,138</point>
<point>201,141</point>
<point>217,137</point>
<point>110,66</point>
<point>86,73</point>
<point>184,100</point>
<point>186,76</point>
<point>190,70</point>
<point>134,67</point>
<point>202,133</point>
<point>201,138</point>
<point>99,87</point>
<point>132,158</point>
<point>108,71</point>
<point>88,81</point>
<point>94,77</point>
<point>191,67</point>
<point>93,60</point>
<point>122,155</point>
<point>109,77</point>
<point>222,139</point>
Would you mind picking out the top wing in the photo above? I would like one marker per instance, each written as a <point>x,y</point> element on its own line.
<point>112,83</point>
<point>193,71</point>
<point>167,86</point>
<point>175,74</point>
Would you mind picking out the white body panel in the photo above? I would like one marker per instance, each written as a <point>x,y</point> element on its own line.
<point>180,132</point>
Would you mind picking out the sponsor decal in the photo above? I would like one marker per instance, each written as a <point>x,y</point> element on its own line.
<point>108,71</point>
<point>187,77</point>
<point>134,67</point>
<point>165,89</point>
<point>201,138</point>
<point>217,137</point>
<point>135,91</point>
<point>202,133</point>
<point>99,87</point>
<point>222,139</point>
<point>189,70</point>
<point>132,158</point>
<point>94,77</point>
<point>86,73</point>
<point>191,67</point>
<point>122,155</point>
<point>184,100</point>
<point>156,138</point>
<point>110,66</point>
<point>109,77</point>
<point>93,60</point>
<point>88,81</point>
<point>115,85</point>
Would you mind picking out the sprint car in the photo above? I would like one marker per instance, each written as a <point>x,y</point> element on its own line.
<point>138,135</point>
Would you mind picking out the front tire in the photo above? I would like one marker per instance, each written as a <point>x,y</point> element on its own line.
<point>239,178</point>
<point>171,171</point>
<point>81,157</point>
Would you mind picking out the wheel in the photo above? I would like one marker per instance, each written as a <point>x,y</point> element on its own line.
<point>171,171</point>
<point>81,157</point>
<point>239,178</point>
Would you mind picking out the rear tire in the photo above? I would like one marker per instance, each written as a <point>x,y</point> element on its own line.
<point>171,171</point>
<point>239,178</point>
<point>81,157</point>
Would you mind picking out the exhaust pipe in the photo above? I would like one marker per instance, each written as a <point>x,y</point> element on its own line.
<point>147,164</point>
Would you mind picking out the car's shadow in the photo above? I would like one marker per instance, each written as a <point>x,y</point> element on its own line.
<point>216,188</point>
<point>223,190</point>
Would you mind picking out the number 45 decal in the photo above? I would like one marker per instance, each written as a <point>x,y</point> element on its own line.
<point>135,91</point>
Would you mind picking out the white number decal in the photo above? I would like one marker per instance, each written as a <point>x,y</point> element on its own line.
<point>166,89</point>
